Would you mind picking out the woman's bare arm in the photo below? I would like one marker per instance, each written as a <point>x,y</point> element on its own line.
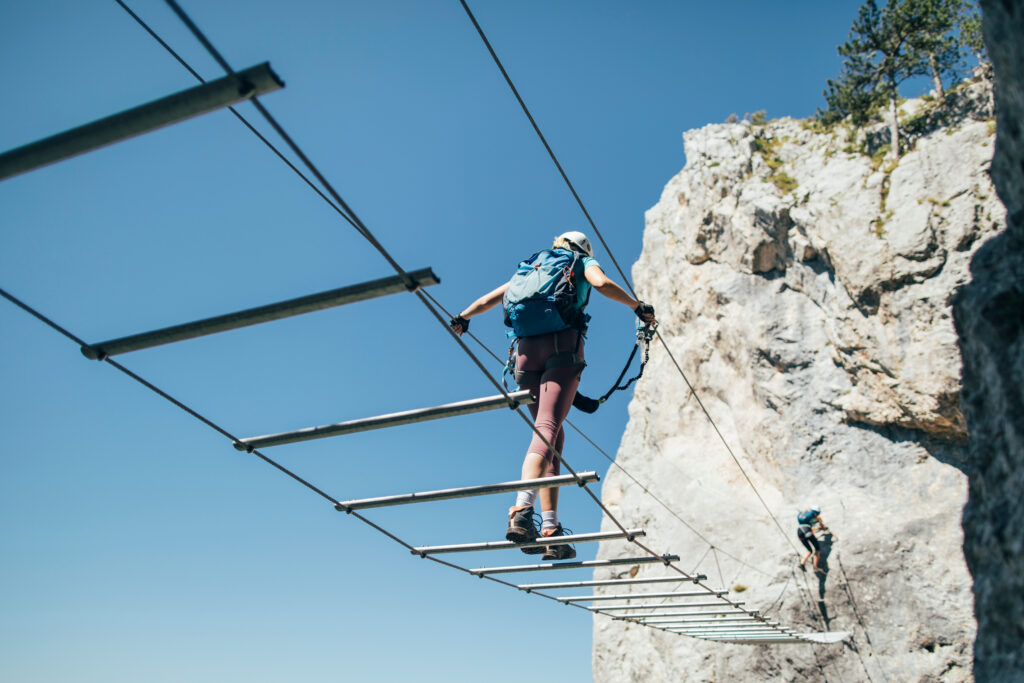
<point>481,305</point>
<point>485,303</point>
<point>601,282</point>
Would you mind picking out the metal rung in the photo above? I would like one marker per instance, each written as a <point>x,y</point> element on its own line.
<point>467,491</point>
<point>709,621</point>
<point>762,638</point>
<point>643,617</point>
<point>752,636</point>
<point>425,550</point>
<point>713,636</point>
<point>638,596</point>
<point>587,564</point>
<point>774,626</point>
<point>476,405</point>
<point>175,108</point>
<point>658,605</point>
<point>261,314</point>
<point>758,638</point>
<point>605,582</point>
<point>758,641</point>
<point>718,634</point>
<point>723,627</point>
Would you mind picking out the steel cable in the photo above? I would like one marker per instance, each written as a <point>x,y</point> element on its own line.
<point>344,215</point>
<point>353,219</point>
<point>365,232</point>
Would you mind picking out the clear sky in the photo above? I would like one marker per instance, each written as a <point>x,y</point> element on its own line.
<point>137,544</point>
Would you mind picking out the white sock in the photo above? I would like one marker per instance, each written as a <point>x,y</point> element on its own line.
<point>549,519</point>
<point>526,498</point>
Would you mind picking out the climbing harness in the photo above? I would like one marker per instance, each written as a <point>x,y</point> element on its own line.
<point>558,359</point>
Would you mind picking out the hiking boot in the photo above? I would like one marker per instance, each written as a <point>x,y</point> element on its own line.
<point>521,529</point>
<point>562,551</point>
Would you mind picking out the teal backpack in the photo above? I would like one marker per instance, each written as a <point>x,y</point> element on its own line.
<point>543,295</point>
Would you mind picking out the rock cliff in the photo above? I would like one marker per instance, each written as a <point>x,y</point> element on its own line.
<point>804,282</point>
<point>990,319</point>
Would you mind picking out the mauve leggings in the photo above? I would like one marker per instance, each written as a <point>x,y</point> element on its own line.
<point>555,392</point>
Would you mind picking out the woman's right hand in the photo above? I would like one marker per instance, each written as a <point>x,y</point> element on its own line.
<point>645,312</point>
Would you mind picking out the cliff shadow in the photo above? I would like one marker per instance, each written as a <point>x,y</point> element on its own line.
<point>952,451</point>
<point>821,573</point>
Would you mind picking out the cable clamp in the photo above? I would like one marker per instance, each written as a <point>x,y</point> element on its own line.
<point>93,352</point>
<point>341,507</point>
<point>246,88</point>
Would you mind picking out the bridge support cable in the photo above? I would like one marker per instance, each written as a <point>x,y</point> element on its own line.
<point>364,231</point>
<point>261,314</point>
<point>465,492</point>
<point>539,543</point>
<point>585,564</point>
<point>346,211</point>
<point>181,106</point>
<point>476,405</point>
<point>276,465</point>
<point>606,582</point>
<point>216,427</point>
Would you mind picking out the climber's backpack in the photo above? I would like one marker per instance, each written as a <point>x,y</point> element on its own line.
<point>808,516</point>
<point>542,295</point>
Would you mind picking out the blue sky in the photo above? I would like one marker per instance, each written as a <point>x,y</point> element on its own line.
<point>138,544</point>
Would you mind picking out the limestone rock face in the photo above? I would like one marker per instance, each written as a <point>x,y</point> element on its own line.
<point>805,290</point>
<point>990,318</point>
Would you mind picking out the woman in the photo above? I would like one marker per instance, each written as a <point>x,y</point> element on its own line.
<point>549,366</point>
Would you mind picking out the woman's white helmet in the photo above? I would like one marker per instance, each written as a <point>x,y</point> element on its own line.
<point>579,239</point>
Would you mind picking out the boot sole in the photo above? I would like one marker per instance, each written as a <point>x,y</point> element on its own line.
<point>518,534</point>
<point>555,552</point>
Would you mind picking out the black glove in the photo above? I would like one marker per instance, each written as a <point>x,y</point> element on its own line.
<point>643,310</point>
<point>459,321</point>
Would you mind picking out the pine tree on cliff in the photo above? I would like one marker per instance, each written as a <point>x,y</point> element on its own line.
<point>877,58</point>
<point>937,44</point>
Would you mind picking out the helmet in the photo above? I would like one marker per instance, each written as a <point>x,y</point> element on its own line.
<point>578,239</point>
